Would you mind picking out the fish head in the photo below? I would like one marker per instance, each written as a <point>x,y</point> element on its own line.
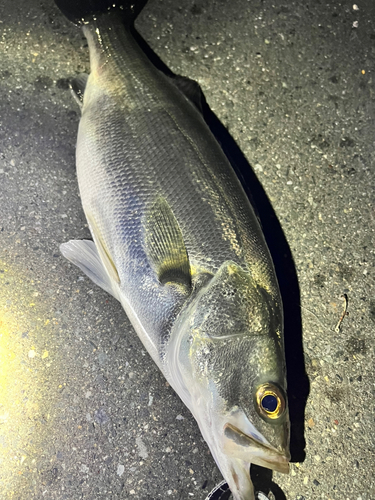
<point>230,359</point>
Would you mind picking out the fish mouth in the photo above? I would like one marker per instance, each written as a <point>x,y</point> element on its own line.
<point>248,448</point>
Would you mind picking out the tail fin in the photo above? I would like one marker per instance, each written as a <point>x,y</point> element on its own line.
<point>83,11</point>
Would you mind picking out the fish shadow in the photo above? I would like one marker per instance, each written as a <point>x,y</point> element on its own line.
<point>298,383</point>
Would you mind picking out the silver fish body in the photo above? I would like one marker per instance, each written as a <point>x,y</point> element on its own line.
<point>176,241</point>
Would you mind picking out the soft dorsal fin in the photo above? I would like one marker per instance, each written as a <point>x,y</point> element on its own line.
<point>165,245</point>
<point>77,86</point>
<point>191,89</point>
<point>103,251</point>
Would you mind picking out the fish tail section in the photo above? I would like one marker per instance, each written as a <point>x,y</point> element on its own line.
<point>83,11</point>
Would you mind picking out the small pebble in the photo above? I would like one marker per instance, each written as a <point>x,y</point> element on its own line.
<point>102,358</point>
<point>101,417</point>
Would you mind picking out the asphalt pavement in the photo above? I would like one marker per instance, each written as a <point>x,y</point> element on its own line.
<point>84,412</point>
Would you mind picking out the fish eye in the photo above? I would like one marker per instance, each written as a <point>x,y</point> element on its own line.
<point>270,401</point>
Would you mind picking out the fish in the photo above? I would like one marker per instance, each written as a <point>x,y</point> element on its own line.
<point>176,241</point>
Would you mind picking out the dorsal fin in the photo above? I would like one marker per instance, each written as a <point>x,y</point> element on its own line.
<point>165,245</point>
<point>191,89</point>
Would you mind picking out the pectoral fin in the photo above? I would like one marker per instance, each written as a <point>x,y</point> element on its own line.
<point>83,254</point>
<point>165,245</point>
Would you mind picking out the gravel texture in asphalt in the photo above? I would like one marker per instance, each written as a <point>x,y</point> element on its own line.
<point>84,412</point>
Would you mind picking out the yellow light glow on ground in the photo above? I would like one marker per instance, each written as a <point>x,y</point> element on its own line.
<point>25,367</point>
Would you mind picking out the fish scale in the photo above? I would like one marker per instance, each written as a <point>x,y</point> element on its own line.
<point>176,241</point>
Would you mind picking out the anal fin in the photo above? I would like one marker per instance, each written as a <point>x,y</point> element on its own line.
<point>77,86</point>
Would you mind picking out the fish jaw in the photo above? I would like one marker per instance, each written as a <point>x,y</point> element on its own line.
<point>238,479</point>
<point>235,449</point>
<point>239,444</point>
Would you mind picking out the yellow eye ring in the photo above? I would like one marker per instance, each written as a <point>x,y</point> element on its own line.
<point>270,401</point>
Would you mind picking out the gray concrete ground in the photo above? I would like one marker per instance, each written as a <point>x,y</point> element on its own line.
<point>84,412</point>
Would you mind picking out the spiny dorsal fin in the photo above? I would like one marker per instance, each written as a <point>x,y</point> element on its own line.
<point>165,245</point>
